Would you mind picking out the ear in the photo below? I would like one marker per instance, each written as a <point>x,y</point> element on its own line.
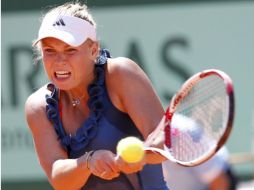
<point>94,49</point>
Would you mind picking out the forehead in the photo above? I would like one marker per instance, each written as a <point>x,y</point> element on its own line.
<point>53,42</point>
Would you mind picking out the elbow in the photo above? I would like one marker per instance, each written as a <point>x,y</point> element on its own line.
<point>60,182</point>
<point>56,177</point>
<point>55,183</point>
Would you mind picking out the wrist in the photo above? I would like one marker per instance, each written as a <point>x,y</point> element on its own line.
<point>88,159</point>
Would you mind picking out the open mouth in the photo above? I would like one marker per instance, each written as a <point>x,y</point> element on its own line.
<point>62,74</point>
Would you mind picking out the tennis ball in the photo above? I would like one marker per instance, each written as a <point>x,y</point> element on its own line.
<point>130,149</point>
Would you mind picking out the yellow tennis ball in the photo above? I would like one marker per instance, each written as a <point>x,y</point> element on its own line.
<point>130,149</point>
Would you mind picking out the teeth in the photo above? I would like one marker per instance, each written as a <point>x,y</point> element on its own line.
<point>62,74</point>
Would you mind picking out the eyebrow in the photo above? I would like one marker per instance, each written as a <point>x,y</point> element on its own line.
<point>53,47</point>
<point>43,43</point>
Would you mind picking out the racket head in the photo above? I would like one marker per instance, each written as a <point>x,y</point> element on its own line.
<point>199,118</point>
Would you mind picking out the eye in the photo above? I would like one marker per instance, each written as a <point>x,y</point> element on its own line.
<point>71,50</point>
<point>49,50</point>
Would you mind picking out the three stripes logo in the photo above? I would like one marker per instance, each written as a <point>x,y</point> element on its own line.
<point>60,22</point>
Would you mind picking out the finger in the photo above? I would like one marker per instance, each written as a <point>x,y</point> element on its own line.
<point>123,166</point>
<point>113,166</point>
<point>119,161</point>
<point>103,174</point>
<point>131,168</point>
<point>97,168</point>
<point>105,169</point>
<point>111,170</point>
<point>107,174</point>
<point>136,167</point>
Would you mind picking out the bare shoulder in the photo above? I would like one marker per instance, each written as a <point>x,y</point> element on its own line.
<point>125,70</point>
<point>35,105</point>
<point>36,100</point>
<point>125,80</point>
<point>123,66</point>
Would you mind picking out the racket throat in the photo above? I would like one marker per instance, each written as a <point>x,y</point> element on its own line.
<point>167,131</point>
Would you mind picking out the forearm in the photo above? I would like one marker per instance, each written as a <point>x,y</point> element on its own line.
<point>69,174</point>
<point>155,139</point>
<point>221,182</point>
<point>154,158</point>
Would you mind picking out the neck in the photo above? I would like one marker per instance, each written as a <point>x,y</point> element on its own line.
<point>79,94</point>
<point>75,97</point>
<point>76,101</point>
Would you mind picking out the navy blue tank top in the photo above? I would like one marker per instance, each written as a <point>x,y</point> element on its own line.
<point>103,128</point>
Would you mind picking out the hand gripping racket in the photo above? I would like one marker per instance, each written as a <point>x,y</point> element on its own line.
<point>199,119</point>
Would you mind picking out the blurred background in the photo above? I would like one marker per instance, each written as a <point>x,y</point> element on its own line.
<point>169,39</point>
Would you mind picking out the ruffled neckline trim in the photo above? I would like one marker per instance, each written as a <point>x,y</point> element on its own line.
<point>89,129</point>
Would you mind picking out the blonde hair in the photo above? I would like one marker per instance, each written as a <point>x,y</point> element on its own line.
<point>76,9</point>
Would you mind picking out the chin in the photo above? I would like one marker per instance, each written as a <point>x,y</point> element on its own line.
<point>62,86</point>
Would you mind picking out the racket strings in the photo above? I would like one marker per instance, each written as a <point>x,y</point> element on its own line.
<point>199,120</point>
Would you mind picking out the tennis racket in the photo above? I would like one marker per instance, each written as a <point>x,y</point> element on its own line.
<point>199,119</point>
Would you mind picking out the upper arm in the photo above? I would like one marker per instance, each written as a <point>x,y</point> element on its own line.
<point>45,139</point>
<point>137,96</point>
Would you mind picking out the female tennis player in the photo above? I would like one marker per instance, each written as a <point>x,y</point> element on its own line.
<point>90,103</point>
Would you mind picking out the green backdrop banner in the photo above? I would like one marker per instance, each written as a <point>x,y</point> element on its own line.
<point>170,42</point>
<point>25,5</point>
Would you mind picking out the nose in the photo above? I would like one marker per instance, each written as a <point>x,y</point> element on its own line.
<point>61,57</point>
